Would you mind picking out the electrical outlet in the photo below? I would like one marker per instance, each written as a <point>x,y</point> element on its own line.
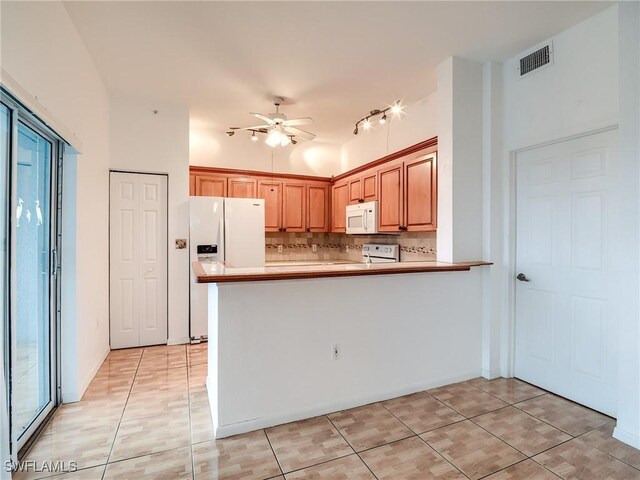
<point>335,352</point>
<point>314,248</point>
<point>279,248</point>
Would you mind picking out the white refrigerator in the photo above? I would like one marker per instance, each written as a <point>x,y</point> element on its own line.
<point>225,230</point>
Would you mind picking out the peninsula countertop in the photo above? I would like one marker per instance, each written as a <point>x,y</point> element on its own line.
<point>220,273</point>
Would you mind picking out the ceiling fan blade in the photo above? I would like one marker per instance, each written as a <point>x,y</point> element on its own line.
<point>297,121</point>
<point>299,133</point>
<point>263,117</point>
<point>256,127</point>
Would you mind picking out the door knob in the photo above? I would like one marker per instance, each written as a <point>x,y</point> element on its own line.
<point>522,277</point>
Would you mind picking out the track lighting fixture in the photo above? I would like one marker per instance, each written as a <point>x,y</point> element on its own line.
<point>254,137</point>
<point>396,110</point>
<point>230,133</point>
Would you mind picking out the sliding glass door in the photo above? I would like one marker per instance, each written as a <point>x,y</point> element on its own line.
<point>32,371</point>
<point>33,194</point>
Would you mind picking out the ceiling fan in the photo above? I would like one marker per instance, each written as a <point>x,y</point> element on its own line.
<point>280,131</point>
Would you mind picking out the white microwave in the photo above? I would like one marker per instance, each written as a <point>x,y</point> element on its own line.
<point>362,218</point>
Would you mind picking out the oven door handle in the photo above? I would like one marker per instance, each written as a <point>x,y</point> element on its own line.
<point>364,219</point>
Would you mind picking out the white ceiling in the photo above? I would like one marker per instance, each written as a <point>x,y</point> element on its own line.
<point>333,61</point>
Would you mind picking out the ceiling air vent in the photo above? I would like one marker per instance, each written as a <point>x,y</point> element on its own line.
<point>536,59</point>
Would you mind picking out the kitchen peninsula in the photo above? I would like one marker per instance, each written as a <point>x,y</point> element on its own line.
<point>288,343</point>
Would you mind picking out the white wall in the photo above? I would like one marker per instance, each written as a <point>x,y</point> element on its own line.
<point>142,141</point>
<point>43,52</point>
<point>210,147</point>
<point>628,415</point>
<point>275,337</point>
<point>577,94</point>
<point>418,122</point>
<point>459,160</point>
<point>593,84</point>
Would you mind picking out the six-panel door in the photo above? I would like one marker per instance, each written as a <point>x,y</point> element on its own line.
<point>138,260</point>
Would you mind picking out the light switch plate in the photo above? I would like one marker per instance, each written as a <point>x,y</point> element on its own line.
<point>181,243</point>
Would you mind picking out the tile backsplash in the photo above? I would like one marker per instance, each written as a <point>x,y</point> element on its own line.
<point>414,246</point>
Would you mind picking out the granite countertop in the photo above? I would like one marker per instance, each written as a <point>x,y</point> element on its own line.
<point>220,273</point>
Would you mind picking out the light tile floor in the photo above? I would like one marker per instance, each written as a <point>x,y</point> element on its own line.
<point>146,416</point>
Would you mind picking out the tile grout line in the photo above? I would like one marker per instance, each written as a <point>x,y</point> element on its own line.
<point>356,452</point>
<point>193,460</point>
<point>104,473</point>
<point>418,434</point>
<point>264,430</point>
<point>599,449</point>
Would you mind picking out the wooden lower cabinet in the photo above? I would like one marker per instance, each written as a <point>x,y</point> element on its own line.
<point>293,207</point>
<point>318,208</point>
<point>242,187</point>
<point>391,198</point>
<point>271,191</point>
<point>339,202</point>
<point>211,185</point>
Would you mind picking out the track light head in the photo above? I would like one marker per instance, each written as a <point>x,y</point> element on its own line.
<point>367,124</point>
<point>231,133</point>
<point>355,130</point>
<point>383,119</point>
<point>254,137</point>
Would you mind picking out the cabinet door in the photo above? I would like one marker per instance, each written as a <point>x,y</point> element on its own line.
<point>294,207</point>
<point>317,208</point>
<point>242,187</point>
<point>355,190</point>
<point>339,202</point>
<point>271,191</point>
<point>390,198</point>
<point>369,183</point>
<point>211,186</point>
<point>192,185</point>
<point>420,193</point>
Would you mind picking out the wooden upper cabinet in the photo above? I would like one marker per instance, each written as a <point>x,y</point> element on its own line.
<point>391,198</point>
<point>192,185</point>
<point>369,184</point>
<point>355,190</point>
<point>271,191</point>
<point>211,185</point>
<point>420,193</point>
<point>318,207</point>
<point>242,187</point>
<point>294,217</point>
<point>339,202</point>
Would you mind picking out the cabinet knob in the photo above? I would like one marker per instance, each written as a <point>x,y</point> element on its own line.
<point>308,229</point>
<point>361,200</point>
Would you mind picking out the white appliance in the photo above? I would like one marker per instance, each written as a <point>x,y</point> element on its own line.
<point>362,218</point>
<point>377,253</point>
<point>225,230</point>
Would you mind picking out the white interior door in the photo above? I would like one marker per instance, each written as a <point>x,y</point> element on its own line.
<point>138,259</point>
<point>565,330</point>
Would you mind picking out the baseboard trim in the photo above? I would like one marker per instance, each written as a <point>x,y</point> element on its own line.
<point>178,341</point>
<point>629,438</point>
<point>491,374</point>
<point>75,396</point>
<point>222,431</point>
